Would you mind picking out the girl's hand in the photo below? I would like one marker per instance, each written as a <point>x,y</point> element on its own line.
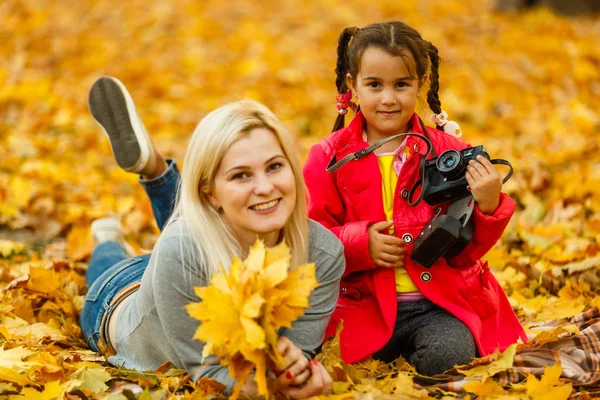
<point>485,184</point>
<point>386,251</point>
<point>296,370</point>
<point>319,383</point>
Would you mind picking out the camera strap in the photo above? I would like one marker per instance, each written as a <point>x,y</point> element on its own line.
<point>334,165</point>
<point>499,161</point>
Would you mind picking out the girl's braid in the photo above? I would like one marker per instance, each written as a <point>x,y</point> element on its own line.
<point>341,68</point>
<point>433,98</point>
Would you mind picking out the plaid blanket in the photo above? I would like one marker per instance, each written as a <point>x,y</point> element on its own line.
<point>579,355</point>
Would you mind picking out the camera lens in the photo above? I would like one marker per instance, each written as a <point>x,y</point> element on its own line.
<point>450,163</point>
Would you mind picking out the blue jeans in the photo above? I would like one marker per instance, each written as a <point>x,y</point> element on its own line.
<point>110,271</point>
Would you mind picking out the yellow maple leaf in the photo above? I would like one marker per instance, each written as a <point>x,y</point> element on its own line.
<point>52,390</point>
<point>487,387</point>
<point>241,311</point>
<point>10,375</point>
<point>502,363</point>
<point>549,386</point>
<point>15,359</point>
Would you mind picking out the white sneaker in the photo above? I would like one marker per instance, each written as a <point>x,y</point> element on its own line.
<point>109,229</point>
<point>113,108</point>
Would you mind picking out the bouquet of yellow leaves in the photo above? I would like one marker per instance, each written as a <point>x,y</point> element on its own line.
<point>242,311</point>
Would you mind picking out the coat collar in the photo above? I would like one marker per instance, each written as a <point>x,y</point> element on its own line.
<point>350,138</point>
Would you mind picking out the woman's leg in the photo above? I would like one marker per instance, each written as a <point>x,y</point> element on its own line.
<point>113,108</point>
<point>162,192</point>
<point>105,255</point>
<point>109,271</point>
<point>98,304</point>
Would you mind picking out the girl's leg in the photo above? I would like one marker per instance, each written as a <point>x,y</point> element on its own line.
<point>429,337</point>
<point>438,341</point>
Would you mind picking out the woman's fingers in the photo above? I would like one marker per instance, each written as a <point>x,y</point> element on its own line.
<point>319,383</point>
<point>296,374</point>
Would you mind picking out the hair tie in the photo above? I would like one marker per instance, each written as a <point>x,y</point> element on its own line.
<point>344,100</point>
<point>449,127</point>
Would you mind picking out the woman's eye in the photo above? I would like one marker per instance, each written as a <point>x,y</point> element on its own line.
<point>239,175</point>
<point>402,84</point>
<point>275,166</point>
<point>373,84</point>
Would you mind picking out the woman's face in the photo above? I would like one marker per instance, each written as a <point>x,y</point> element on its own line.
<point>255,187</point>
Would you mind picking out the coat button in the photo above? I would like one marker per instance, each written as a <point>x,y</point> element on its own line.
<point>407,237</point>
<point>425,277</point>
<point>416,148</point>
<point>404,194</point>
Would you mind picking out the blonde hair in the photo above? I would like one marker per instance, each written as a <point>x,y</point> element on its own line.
<point>207,147</point>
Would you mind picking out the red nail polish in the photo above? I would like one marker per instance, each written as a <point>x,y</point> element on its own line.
<point>314,361</point>
<point>289,375</point>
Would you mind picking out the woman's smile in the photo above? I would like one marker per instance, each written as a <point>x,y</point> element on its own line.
<point>266,208</point>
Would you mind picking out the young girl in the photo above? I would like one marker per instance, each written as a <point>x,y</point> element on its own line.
<point>391,306</point>
<point>228,197</point>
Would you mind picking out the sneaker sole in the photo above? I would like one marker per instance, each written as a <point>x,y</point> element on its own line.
<point>108,106</point>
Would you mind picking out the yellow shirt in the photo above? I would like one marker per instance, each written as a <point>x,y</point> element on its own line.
<point>386,165</point>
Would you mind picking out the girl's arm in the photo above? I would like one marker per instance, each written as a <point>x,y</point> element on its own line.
<point>488,228</point>
<point>326,207</point>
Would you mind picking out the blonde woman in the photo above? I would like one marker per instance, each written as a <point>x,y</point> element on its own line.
<point>241,181</point>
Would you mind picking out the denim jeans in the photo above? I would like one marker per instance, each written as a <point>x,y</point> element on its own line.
<point>110,270</point>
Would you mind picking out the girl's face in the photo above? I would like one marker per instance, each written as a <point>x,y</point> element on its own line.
<point>255,187</point>
<point>386,92</point>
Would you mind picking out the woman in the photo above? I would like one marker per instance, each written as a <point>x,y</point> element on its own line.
<point>241,181</point>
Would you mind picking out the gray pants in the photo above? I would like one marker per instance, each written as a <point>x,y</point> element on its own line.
<point>429,337</point>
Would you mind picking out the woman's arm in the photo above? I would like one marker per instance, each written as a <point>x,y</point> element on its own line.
<point>326,251</point>
<point>175,275</point>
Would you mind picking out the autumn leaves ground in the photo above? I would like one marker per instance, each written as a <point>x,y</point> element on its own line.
<point>526,85</point>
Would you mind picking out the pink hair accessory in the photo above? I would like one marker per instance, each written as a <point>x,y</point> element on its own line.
<point>344,100</point>
<point>440,119</point>
<point>450,127</point>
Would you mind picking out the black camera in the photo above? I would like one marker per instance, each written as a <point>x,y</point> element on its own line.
<point>445,235</point>
<point>445,175</point>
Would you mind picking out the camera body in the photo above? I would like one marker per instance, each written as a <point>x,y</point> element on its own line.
<point>445,235</point>
<point>446,175</point>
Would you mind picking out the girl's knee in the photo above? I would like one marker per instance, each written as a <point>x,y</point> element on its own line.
<point>437,358</point>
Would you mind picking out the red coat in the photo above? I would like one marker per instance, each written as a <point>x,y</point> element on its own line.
<point>350,199</point>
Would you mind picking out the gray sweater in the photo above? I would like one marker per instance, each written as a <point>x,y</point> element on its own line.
<point>153,326</point>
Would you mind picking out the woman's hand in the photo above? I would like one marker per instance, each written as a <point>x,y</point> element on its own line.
<point>295,371</point>
<point>484,183</point>
<point>319,383</point>
<point>385,250</point>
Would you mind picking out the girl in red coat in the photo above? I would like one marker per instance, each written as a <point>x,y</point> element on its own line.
<point>434,317</point>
